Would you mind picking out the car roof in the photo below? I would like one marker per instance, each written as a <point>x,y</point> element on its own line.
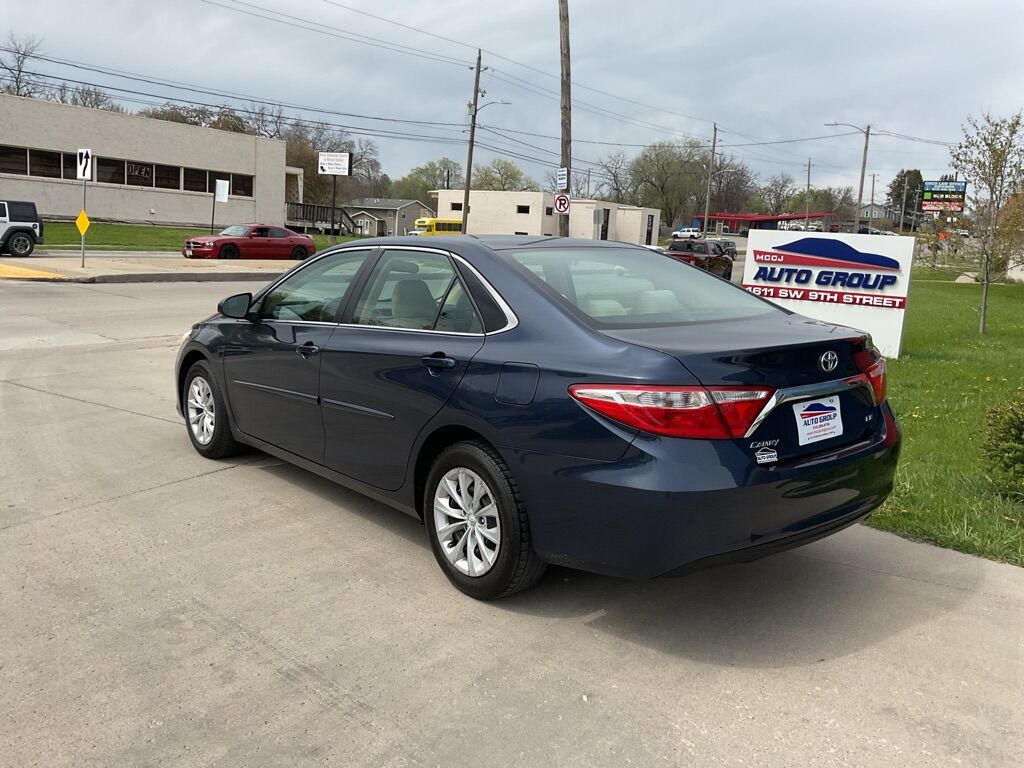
<point>493,242</point>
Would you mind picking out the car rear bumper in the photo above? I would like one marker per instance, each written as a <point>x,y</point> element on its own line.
<point>675,505</point>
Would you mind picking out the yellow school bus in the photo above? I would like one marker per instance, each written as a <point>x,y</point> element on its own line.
<point>437,227</point>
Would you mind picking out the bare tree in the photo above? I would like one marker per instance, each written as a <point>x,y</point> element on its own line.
<point>15,76</point>
<point>991,159</point>
<point>617,184</point>
<point>85,96</point>
<point>267,121</point>
<point>777,192</point>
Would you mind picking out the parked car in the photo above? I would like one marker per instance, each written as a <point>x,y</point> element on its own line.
<point>688,232</point>
<point>709,255</point>
<point>21,229</point>
<point>250,241</point>
<point>728,245</point>
<point>539,400</point>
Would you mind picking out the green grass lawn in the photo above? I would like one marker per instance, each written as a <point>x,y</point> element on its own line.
<point>940,388</point>
<point>132,237</point>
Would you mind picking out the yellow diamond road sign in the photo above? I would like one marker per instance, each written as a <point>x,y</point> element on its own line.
<point>82,222</point>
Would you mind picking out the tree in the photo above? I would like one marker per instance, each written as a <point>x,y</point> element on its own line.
<point>85,96</point>
<point>502,175</point>
<point>668,176</point>
<point>776,193</point>
<point>617,184</point>
<point>732,186</point>
<point>990,158</point>
<point>894,197</point>
<point>421,180</point>
<point>175,113</point>
<point>15,76</point>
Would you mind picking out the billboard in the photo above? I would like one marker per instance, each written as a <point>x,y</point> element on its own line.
<point>943,196</point>
<point>860,281</point>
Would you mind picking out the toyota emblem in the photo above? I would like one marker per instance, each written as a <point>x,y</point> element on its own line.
<point>829,361</point>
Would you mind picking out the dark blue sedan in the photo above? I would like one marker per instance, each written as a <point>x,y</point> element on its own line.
<point>537,400</point>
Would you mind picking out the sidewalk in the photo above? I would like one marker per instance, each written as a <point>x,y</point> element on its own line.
<point>127,268</point>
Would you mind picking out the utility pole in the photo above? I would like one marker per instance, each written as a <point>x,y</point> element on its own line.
<point>807,197</point>
<point>711,173</point>
<point>863,170</point>
<point>469,152</point>
<point>563,29</point>
<point>903,204</point>
<point>871,218</point>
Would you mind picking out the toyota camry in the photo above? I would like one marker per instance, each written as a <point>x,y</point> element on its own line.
<point>536,400</point>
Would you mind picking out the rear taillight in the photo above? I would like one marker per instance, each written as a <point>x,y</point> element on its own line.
<point>717,413</point>
<point>871,363</point>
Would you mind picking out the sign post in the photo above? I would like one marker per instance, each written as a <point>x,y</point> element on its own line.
<point>335,164</point>
<point>860,281</point>
<point>84,168</point>
<point>220,195</point>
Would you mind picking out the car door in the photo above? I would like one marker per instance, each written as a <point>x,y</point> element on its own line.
<point>272,361</point>
<point>256,244</point>
<point>281,243</point>
<point>401,351</point>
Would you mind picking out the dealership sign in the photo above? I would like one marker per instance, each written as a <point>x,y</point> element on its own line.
<point>859,281</point>
<point>943,195</point>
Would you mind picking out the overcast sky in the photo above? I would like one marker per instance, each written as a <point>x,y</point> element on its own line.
<point>763,71</point>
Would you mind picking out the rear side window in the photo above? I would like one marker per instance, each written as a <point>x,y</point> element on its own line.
<point>277,232</point>
<point>628,288</point>
<point>22,211</point>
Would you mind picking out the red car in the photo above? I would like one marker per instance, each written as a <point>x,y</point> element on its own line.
<point>250,241</point>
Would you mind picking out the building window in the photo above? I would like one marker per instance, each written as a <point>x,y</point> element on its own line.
<point>13,160</point>
<point>456,206</point>
<point>109,171</point>
<point>70,166</point>
<point>522,209</point>
<point>140,174</point>
<point>45,164</point>
<point>195,180</point>
<point>241,185</point>
<point>522,233</point>
<point>167,177</point>
<point>216,176</point>
<point>549,211</point>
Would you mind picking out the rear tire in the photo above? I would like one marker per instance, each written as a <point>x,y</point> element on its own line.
<point>299,253</point>
<point>206,418</point>
<point>20,245</point>
<point>228,252</point>
<point>470,482</point>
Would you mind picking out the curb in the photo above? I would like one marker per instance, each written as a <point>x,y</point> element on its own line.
<point>153,277</point>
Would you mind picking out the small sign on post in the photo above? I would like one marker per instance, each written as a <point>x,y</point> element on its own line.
<point>563,179</point>
<point>84,168</point>
<point>220,195</point>
<point>562,203</point>
<point>334,164</point>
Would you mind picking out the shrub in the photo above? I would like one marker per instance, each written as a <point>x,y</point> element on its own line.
<point>1004,446</point>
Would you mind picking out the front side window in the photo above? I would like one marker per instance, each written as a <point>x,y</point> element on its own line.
<point>627,287</point>
<point>315,293</point>
<point>405,290</point>
<point>3,210</point>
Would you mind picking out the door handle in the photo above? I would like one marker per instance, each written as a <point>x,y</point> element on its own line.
<point>307,350</point>
<point>437,361</point>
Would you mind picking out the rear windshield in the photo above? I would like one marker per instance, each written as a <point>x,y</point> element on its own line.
<point>633,287</point>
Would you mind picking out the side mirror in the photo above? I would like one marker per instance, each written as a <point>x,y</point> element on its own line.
<point>236,306</point>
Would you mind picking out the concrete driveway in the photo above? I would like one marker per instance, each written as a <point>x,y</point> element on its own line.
<point>160,609</point>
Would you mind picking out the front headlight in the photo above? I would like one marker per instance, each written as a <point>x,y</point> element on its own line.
<point>208,244</point>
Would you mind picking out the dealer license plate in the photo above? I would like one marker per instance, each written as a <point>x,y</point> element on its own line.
<point>818,419</point>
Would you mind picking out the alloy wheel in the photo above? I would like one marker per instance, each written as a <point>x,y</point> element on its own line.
<point>20,245</point>
<point>466,521</point>
<point>201,410</point>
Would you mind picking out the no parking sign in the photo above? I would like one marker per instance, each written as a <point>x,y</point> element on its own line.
<point>562,202</point>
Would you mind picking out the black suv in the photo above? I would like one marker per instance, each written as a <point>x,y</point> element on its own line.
<point>21,229</point>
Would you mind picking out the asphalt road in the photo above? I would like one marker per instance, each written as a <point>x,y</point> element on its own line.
<point>160,609</point>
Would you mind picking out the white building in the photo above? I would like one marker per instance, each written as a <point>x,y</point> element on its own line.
<point>144,170</point>
<point>532,213</point>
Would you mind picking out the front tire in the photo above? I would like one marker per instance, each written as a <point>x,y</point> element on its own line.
<point>206,417</point>
<point>477,523</point>
<point>20,245</point>
<point>228,252</point>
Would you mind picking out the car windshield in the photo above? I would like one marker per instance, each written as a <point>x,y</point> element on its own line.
<point>632,287</point>
<point>235,230</point>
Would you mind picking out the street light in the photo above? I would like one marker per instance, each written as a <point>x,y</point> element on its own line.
<point>474,110</point>
<point>863,163</point>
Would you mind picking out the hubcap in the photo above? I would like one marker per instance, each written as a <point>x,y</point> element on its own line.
<point>20,244</point>
<point>201,413</point>
<point>466,520</point>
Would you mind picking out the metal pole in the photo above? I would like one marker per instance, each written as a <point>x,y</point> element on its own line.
<point>84,182</point>
<point>469,152</point>
<point>711,172</point>
<point>863,170</point>
<point>807,197</point>
<point>334,204</point>
<point>213,209</point>
<point>566,104</point>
